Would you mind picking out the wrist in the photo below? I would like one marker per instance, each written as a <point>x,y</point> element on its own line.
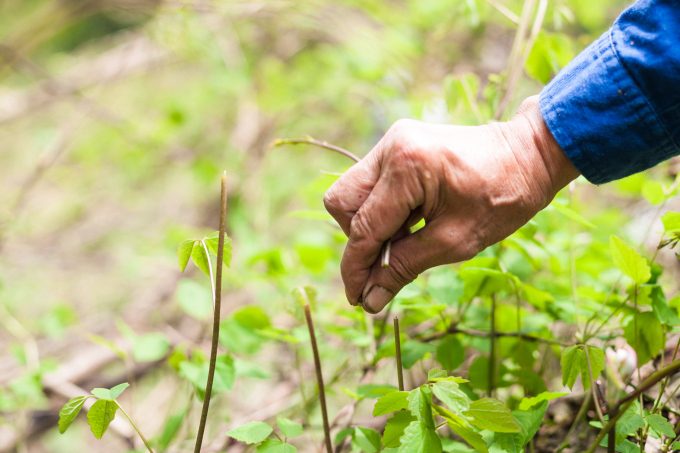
<point>558,168</point>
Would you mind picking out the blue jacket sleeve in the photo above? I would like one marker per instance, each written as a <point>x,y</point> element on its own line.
<point>615,109</point>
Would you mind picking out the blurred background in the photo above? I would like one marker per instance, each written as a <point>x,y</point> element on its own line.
<point>117,118</point>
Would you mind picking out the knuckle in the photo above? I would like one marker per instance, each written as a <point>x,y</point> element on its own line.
<point>401,270</point>
<point>360,228</point>
<point>331,201</point>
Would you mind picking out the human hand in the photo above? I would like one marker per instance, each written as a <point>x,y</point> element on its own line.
<point>473,185</point>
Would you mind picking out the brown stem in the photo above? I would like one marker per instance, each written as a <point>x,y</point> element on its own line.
<point>216,316</point>
<point>315,142</point>
<point>622,405</point>
<point>319,380</point>
<point>453,329</point>
<point>397,346</point>
<point>492,350</point>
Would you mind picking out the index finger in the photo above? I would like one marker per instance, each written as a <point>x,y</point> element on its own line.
<point>351,190</point>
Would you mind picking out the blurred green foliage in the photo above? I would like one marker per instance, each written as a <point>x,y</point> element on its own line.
<point>117,118</point>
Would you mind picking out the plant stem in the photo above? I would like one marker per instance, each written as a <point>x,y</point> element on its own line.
<point>216,315</point>
<point>135,427</point>
<point>397,346</point>
<point>315,142</point>
<point>319,380</point>
<point>492,350</point>
<point>622,405</point>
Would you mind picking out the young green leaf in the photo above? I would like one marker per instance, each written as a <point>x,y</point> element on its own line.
<point>275,446</point>
<point>390,402</point>
<point>100,416</point>
<point>420,405</point>
<point>200,258</point>
<point>629,261</point>
<point>70,411</point>
<point>571,364</point>
<point>184,253</point>
<point>118,390</point>
<point>450,352</point>
<point>395,428</point>
<point>288,427</point>
<point>366,440</point>
<point>451,395</point>
<point>251,433</point>
<point>491,414</point>
<point>529,402</point>
<point>648,339</point>
<point>661,425</point>
<point>671,222</point>
<point>420,438</point>
<point>212,242</point>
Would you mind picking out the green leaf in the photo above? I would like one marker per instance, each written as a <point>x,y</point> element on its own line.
<point>366,439</point>
<point>390,402</point>
<point>420,405</point>
<point>420,438</point>
<point>571,363</point>
<point>661,425</point>
<point>194,299</point>
<point>252,317</point>
<point>648,339</point>
<point>275,446</point>
<point>100,416</point>
<point>653,192</point>
<point>671,222</point>
<point>451,395</point>
<point>528,403</point>
<point>184,253</point>
<point>491,414</point>
<point>200,258</point>
<point>197,374</point>
<point>70,411</point>
<point>170,429</point>
<point>596,356</point>
<point>288,427</point>
<point>450,352</point>
<point>150,347</point>
<point>550,53</point>
<point>251,433</point>
<point>412,351</point>
<point>395,428</point>
<point>118,390</point>
<point>629,261</point>
<point>213,243</point>
<point>473,438</point>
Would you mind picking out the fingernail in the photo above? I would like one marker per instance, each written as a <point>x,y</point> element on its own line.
<point>376,299</point>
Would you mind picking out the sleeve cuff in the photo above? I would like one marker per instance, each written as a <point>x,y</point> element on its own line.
<point>600,117</point>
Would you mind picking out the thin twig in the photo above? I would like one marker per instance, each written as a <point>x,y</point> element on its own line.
<point>216,315</point>
<point>135,427</point>
<point>492,349</point>
<point>397,347</point>
<point>453,329</point>
<point>319,380</point>
<point>315,142</point>
<point>622,405</point>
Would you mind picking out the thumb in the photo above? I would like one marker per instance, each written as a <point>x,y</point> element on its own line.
<point>428,247</point>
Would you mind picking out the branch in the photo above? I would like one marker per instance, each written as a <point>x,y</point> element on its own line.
<point>397,346</point>
<point>622,405</point>
<point>453,329</point>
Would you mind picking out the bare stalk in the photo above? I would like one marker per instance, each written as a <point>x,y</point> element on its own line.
<point>492,351</point>
<point>319,380</point>
<point>216,316</point>
<point>136,428</point>
<point>397,346</point>
<point>315,142</point>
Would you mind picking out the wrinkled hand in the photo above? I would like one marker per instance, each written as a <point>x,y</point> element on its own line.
<point>474,186</point>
